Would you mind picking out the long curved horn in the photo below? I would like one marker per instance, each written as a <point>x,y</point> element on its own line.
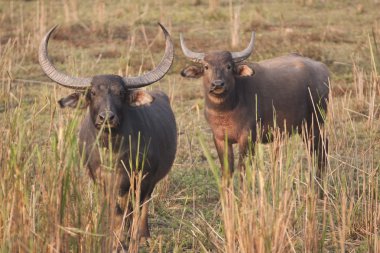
<point>158,72</point>
<point>196,57</point>
<point>53,73</point>
<point>242,55</point>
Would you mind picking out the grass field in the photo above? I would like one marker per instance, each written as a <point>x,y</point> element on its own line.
<point>48,202</point>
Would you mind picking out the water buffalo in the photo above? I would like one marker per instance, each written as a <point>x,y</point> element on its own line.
<point>139,125</point>
<point>285,92</point>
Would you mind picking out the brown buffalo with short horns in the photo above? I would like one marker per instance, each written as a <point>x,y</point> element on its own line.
<point>283,92</point>
<point>138,124</point>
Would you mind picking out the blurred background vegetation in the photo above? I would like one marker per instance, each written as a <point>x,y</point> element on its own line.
<point>49,204</point>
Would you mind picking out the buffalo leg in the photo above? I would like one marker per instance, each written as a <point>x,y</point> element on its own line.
<point>243,144</point>
<point>143,225</point>
<point>244,141</point>
<point>220,148</point>
<point>119,222</point>
<point>318,150</point>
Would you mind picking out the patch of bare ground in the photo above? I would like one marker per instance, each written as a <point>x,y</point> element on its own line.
<point>83,35</point>
<point>113,53</point>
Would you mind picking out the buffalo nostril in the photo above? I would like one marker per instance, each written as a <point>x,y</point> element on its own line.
<point>106,116</point>
<point>101,116</point>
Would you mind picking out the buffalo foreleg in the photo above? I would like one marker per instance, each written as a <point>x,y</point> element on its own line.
<point>245,145</point>
<point>225,151</point>
<point>143,225</point>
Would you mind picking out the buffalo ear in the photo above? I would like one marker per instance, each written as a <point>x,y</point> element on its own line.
<point>244,70</point>
<point>192,72</point>
<point>72,101</point>
<point>139,98</point>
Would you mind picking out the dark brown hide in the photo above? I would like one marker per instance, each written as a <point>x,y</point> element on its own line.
<point>137,126</point>
<point>282,92</point>
<point>138,117</point>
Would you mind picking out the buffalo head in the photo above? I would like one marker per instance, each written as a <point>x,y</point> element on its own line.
<point>106,95</point>
<point>105,98</point>
<point>218,69</point>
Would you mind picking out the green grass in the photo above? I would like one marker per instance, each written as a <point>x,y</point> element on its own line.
<point>49,202</point>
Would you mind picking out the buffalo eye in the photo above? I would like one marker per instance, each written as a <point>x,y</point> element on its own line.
<point>229,67</point>
<point>205,67</point>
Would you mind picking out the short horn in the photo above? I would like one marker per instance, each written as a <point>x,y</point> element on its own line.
<point>242,55</point>
<point>53,73</point>
<point>158,72</point>
<point>197,57</point>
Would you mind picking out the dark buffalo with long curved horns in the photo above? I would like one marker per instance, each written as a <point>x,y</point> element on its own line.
<point>286,92</point>
<point>139,125</point>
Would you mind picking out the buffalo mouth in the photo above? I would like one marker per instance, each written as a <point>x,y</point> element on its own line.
<point>218,91</point>
<point>107,127</point>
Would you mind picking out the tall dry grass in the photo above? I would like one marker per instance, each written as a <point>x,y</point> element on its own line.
<point>49,203</point>
<point>274,206</point>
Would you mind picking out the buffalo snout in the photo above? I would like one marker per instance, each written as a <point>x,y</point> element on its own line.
<point>217,86</point>
<point>108,118</point>
<point>218,83</point>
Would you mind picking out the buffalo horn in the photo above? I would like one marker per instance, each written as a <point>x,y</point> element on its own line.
<point>196,57</point>
<point>158,72</point>
<point>55,75</point>
<point>242,55</point>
